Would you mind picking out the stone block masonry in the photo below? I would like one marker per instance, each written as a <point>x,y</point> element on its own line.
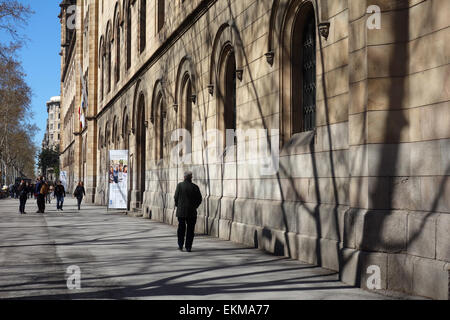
<point>367,185</point>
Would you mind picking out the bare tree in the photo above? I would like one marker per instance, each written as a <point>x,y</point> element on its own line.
<point>16,147</point>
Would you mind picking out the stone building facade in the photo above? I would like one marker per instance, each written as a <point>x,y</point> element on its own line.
<point>357,117</point>
<point>52,134</point>
<point>79,21</point>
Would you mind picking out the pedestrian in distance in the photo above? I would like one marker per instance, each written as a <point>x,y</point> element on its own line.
<point>60,194</point>
<point>41,191</point>
<point>79,193</point>
<point>23,189</point>
<point>187,200</point>
<point>16,192</point>
<point>31,187</point>
<point>37,191</point>
<point>38,181</point>
<point>50,193</point>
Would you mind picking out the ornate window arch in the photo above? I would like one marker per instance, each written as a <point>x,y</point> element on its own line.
<point>227,63</point>
<point>141,144</point>
<point>118,40</point>
<point>125,129</point>
<point>129,26</point>
<point>107,136</point>
<point>115,135</point>
<point>108,40</point>
<point>159,112</point>
<point>297,53</point>
<point>227,89</point>
<point>100,139</point>
<point>101,66</point>
<point>186,97</point>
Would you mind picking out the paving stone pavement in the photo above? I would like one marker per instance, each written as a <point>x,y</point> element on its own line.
<point>122,257</point>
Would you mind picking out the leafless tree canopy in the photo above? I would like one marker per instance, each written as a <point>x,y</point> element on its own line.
<point>16,147</point>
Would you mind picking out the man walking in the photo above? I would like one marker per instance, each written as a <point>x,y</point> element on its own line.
<point>79,194</point>
<point>23,196</point>
<point>37,193</point>
<point>50,194</point>
<point>60,194</point>
<point>41,191</point>
<point>187,200</point>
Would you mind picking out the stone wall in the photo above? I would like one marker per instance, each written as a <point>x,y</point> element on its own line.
<point>368,187</point>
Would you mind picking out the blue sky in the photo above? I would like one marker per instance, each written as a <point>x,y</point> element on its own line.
<point>40,58</point>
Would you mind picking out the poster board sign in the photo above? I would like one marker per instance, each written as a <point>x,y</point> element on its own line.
<point>118,179</point>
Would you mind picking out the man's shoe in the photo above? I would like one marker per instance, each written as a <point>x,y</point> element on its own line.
<point>189,250</point>
<point>180,248</point>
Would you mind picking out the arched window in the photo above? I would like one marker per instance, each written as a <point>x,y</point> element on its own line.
<point>108,58</point>
<point>99,139</point>
<point>186,108</point>
<point>304,74</point>
<point>161,14</point>
<point>118,44</point>
<point>187,104</point>
<point>227,90</point>
<point>141,142</point>
<point>298,80</point>
<point>102,68</point>
<point>159,127</point>
<point>230,91</point>
<point>115,137</point>
<point>107,135</point>
<point>125,132</point>
<point>142,25</point>
<point>129,35</point>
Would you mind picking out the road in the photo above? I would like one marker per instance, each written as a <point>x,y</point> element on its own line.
<point>123,257</point>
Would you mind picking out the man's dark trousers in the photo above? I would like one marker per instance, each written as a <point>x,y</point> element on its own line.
<point>41,203</point>
<point>23,202</point>
<point>186,224</point>
<point>59,202</point>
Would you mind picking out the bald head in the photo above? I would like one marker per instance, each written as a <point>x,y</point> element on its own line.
<point>188,176</point>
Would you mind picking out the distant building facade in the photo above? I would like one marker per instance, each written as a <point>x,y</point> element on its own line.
<point>52,135</point>
<point>357,116</point>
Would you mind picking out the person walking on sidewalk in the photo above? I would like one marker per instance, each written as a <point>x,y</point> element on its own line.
<point>187,200</point>
<point>60,194</point>
<point>41,191</point>
<point>50,194</point>
<point>79,194</point>
<point>23,196</point>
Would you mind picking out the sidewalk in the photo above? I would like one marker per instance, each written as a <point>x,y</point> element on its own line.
<point>122,257</point>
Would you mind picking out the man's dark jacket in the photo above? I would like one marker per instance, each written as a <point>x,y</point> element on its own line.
<point>60,191</point>
<point>38,188</point>
<point>187,199</point>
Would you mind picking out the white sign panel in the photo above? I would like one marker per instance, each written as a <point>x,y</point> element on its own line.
<point>118,179</point>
